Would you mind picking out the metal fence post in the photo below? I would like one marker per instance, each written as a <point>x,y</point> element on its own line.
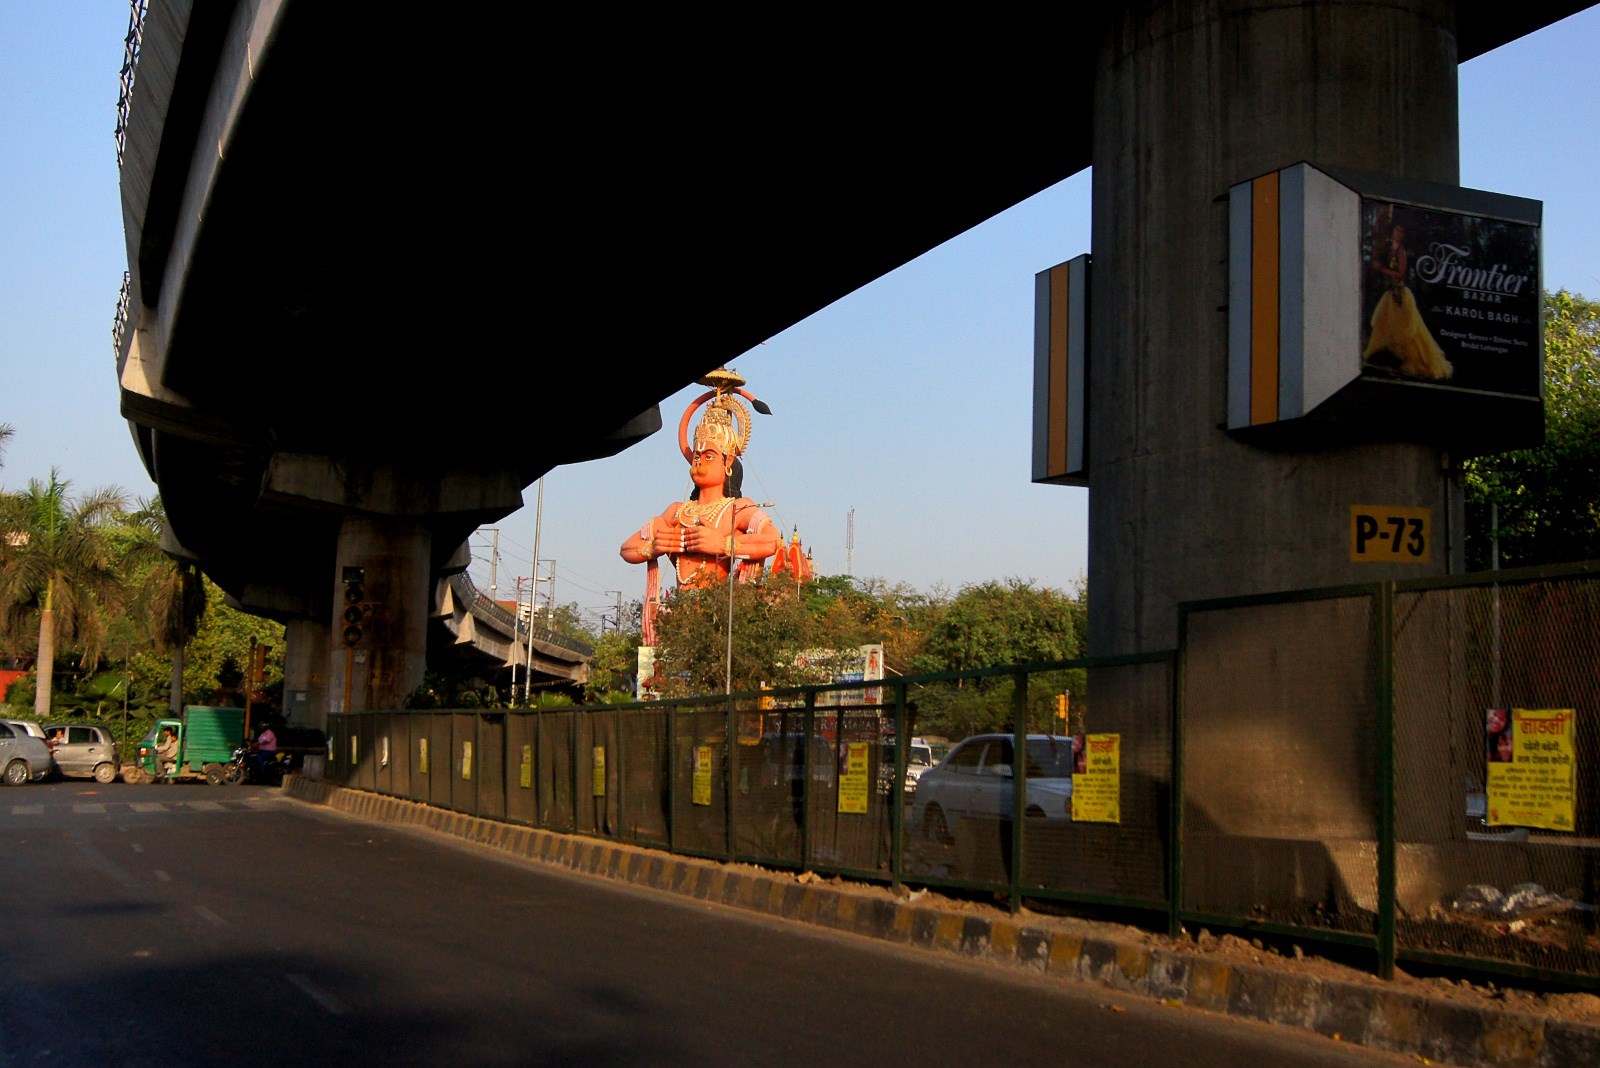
<point>1175,792</point>
<point>897,791</point>
<point>1384,626</point>
<point>1019,783</point>
<point>805,779</point>
<point>728,792</point>
<point>672,776</point>
<point>572,752</point>
<point>477,764</point>
<point>538,759</point>
<point>622,781</point>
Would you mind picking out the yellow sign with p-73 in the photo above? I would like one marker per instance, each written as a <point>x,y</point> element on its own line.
<point>1386,534</point>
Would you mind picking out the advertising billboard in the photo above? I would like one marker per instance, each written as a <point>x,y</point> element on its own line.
<point>1454,298</point>
<point>1364,307</point>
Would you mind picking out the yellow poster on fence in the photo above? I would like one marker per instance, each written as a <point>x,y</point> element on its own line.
<point>598,787</point>
<point>702,775</point>
<point>1533,768</point>
<point>1097,783</point>
<point>853,778</point>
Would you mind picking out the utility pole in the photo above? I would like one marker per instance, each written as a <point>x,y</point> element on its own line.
<point>516,625</point>
<point>494,566</point>
<point>550,601</point>
<point>533,594</point>
<point>850,543</point>
<point>616,624</point>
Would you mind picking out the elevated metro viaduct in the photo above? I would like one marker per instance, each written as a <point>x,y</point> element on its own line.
<point>335,218</point>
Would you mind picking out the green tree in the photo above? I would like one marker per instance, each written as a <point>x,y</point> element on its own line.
<point>693,638</point>
<point>1547,499</point>
<point>168,595</point>
<point>847,613</point>
<point>1010,622</point>
<point>616,661</point>
<point>993,624</point>
<point>58,573</point>
<point>219,654</point>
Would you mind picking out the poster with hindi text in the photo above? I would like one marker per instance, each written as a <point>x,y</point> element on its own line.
<point>853,778</point>
<point>701,790</point>
<point>1532,768</point>
<point>1097,780</point>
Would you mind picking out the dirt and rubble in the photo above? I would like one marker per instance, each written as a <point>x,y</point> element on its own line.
<point>1303,959</point>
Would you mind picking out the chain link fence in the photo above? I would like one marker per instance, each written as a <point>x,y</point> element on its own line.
<point>1324,765</point>
<point>1471,665</point>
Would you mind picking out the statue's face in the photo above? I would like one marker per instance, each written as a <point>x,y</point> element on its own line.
<point>709,469</point>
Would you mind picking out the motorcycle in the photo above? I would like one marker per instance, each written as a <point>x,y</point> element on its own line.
<point>247,765</point>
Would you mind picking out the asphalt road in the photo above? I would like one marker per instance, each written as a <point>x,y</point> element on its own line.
<point>210,925</point>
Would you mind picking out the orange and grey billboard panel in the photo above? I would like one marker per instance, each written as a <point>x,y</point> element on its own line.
<point>1061,374</point>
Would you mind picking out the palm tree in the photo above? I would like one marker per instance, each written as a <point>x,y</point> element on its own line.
<point>170,596</point>
<point>57,568</point>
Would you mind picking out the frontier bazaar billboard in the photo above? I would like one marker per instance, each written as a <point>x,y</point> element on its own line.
<point>1453,298</point>
<point>1365,307</point>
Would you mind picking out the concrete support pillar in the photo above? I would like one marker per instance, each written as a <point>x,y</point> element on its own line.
<point>1192,96</point>
<point>305,673</point>
<point>385,662</point>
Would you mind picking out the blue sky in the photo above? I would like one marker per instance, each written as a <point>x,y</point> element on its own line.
<point>906,403</point>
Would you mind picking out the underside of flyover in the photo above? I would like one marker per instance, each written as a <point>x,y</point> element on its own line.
<point>341,225</point>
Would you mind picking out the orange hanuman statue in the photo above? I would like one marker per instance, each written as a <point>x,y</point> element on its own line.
<point>715,531</point>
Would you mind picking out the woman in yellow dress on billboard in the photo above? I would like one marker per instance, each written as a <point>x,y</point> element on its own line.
<point>1397,326</point>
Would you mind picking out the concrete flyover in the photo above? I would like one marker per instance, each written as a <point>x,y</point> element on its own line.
<point>339,219</point>
<point>483,633</point>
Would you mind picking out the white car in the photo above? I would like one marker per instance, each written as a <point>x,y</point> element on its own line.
<point>977,781</point>
<point>919,758</point>
<point>23,758</point>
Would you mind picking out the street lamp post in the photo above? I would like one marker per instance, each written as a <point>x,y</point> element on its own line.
<point>727,668</point>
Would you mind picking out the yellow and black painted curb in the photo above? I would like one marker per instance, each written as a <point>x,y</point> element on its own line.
<point>1444,1032</point>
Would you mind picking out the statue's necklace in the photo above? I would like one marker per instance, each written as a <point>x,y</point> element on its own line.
<point>695,514</point>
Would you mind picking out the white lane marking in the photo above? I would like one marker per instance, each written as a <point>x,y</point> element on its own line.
<point>209,916</point>
<point>162,877</point>
<point>206,806</point>
<point>136,847</point>
<point>331,1004</point>
<point>89,808</point>
<point>147,806</point>
<point>27,810</point>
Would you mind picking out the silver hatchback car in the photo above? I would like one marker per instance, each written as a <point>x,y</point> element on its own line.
<point>23,758</point>
<point>81,750</point>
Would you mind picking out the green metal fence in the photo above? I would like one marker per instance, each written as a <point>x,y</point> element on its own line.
<point>1312,765</point>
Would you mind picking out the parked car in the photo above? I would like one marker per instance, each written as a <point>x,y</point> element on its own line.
<point>23,757</point>
<point>977,780</point>
<point>26,726</point>
<point>84,751</point>
<point>919,758</point>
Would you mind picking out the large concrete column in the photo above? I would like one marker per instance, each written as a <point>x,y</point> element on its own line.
<point>386,662</point>
<point>305,672</point>
<point>1192,96</point>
